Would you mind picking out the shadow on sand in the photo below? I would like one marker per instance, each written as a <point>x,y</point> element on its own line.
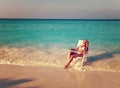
<point>9,83</point>
<point>106,55</point>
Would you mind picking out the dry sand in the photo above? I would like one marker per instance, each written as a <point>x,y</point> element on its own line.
<point>12,76</point>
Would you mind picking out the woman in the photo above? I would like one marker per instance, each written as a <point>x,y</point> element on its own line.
<point>77,52</point>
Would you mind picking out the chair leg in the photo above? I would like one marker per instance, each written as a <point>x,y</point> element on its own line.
<point>82,62</point>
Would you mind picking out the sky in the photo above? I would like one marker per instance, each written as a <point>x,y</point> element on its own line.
<point>60,9</point>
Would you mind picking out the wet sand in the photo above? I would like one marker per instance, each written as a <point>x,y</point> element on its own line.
<point>12,76</point>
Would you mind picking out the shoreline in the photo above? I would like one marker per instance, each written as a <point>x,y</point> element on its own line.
<point>97,61</point>
<point>12,76</point>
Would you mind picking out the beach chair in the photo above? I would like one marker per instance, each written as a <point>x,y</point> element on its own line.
<point>80,61</point>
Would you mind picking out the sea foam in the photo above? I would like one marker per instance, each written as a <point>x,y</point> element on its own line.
<point>54,56</point>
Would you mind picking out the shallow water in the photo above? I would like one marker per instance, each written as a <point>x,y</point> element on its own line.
<point>47,42</point>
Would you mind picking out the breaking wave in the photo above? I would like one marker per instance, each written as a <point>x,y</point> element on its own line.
<point>54,56</point>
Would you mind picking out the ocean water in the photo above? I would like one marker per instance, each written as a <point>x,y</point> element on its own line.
<point>45,42</point>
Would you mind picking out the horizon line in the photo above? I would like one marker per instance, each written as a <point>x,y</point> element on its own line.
<point>64,18</point>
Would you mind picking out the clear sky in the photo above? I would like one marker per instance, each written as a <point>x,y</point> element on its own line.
<point>75,9</point>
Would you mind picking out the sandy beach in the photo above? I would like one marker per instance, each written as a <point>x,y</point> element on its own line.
<point>24,68</point>
<point>33,52</point>
<point>12,76</point>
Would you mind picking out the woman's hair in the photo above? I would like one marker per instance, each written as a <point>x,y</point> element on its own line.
<point>86,42</point>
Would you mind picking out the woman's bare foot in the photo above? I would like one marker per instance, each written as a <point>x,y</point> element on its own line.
<point>65,67</point>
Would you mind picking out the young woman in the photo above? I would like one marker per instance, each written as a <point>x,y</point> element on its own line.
<point>78,52</point>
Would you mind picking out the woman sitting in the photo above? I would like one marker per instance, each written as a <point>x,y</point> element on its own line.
<point>81,50</point>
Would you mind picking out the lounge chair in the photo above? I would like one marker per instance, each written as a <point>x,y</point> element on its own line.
<point>80,61</point>
<point>78,53</point>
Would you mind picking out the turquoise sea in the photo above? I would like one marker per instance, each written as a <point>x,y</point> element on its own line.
<point>44,39</point>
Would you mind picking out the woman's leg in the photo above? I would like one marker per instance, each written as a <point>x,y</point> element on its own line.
<point>70,60</point>
<point>72,55</point>
<point>69,55</point>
